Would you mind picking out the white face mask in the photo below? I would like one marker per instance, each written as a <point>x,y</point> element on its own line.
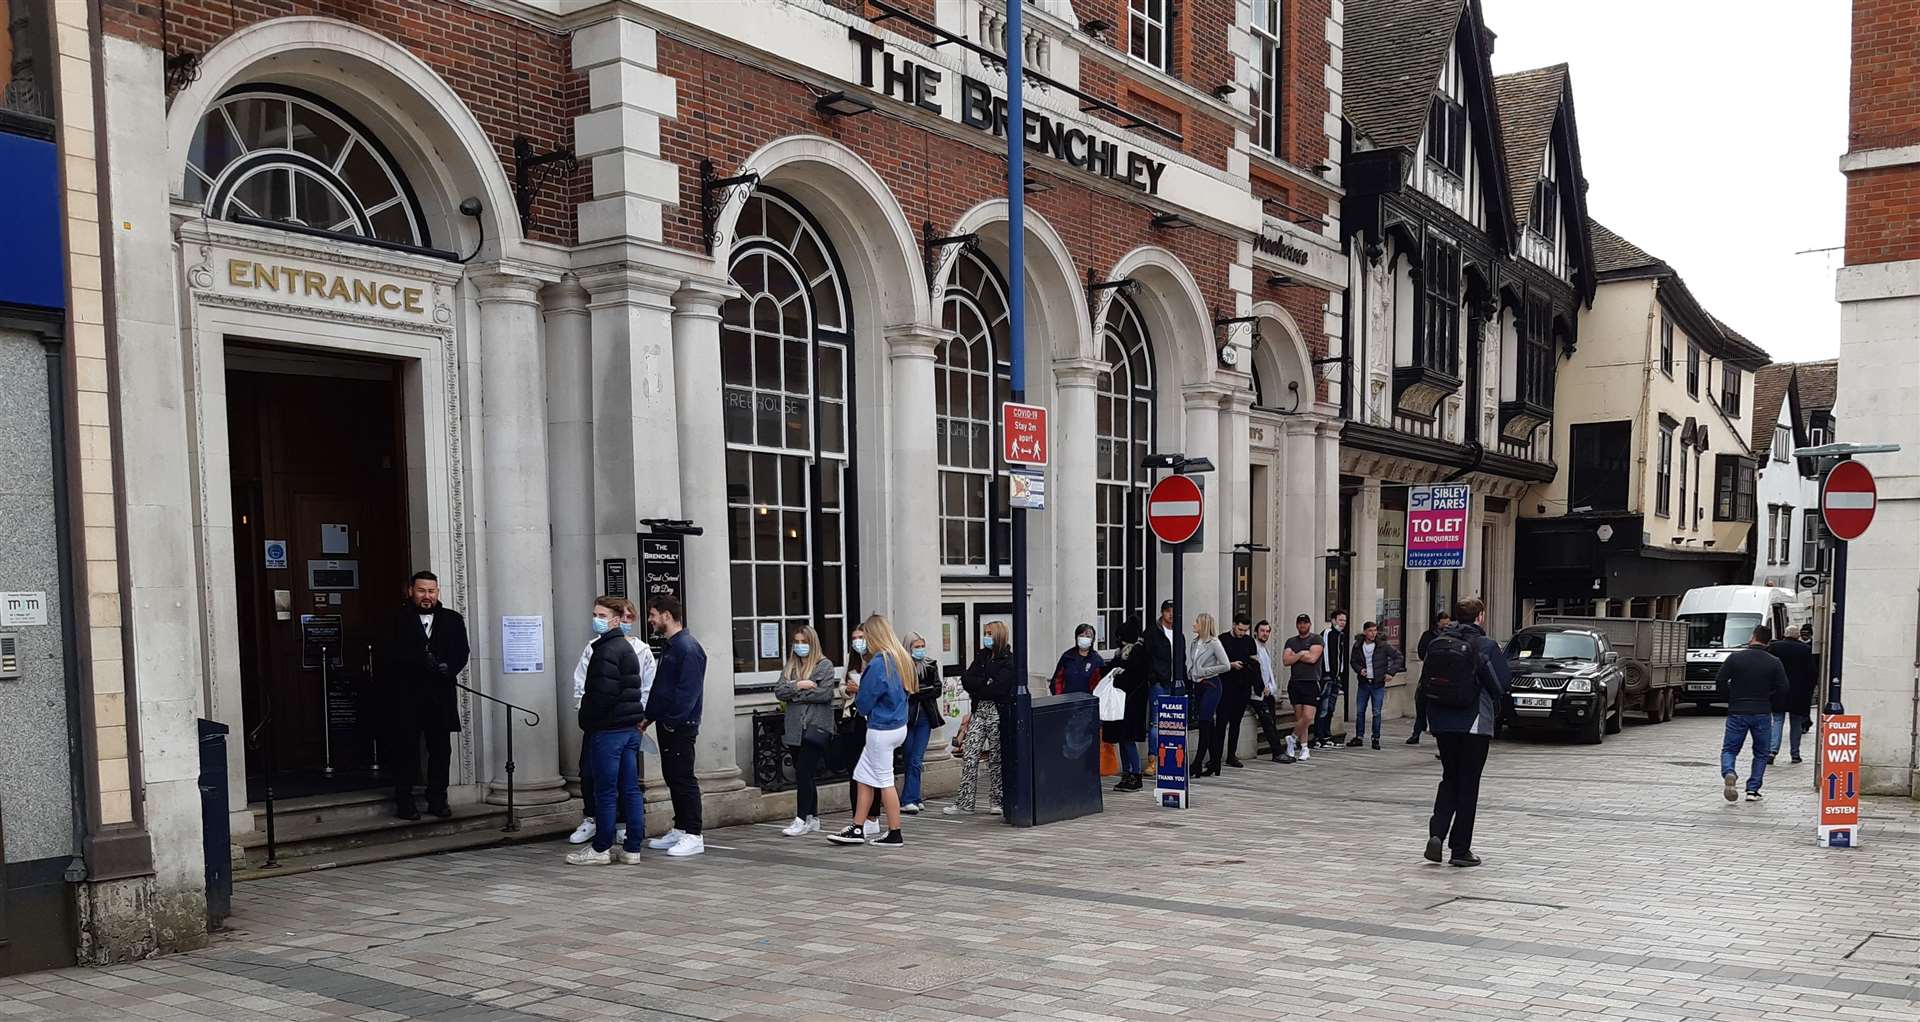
<point>1083,641</point>
<point>860,646</point>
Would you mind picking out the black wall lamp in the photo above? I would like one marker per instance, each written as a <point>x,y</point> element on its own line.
<point>1171,221</point>
<point>1225,89</point>
<point>840,104</point>
<point>1096,26</point>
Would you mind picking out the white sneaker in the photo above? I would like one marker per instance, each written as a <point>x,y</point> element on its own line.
<point>1304,754</point>
<point>993,810</point>
<point>583,833</point>
<point>913,809</point>
<point>796,828</point>
<point>626,858</point>
<point>1293,747</point>
<point>588,857</point>
<point>954,811</point>
<point>871,828</point>
<point>689,844</point>
<point>668,840</point>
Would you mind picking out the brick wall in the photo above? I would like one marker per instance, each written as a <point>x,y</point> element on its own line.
<point>1883,204</point>
<point>729,109</point>
<point>1308,307</point>
<point>514,77</point>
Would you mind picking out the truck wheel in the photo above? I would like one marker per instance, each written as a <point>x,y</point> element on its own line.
<point>1619,714</point>
<point>1669,704</point>
<point>1595,731</point>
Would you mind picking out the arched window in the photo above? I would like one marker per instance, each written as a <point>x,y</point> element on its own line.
<point>971,377</point>
<point>786,379</point>
<point>1126,434</point>
<point>279,155</point>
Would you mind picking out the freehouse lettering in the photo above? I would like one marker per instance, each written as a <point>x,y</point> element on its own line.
<point>297,283</point>
<point>977,106</point>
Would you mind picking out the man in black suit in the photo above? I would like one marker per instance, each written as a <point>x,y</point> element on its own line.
<point>1163,645</point>
<point>1795,708</point>
<point>416,662</point>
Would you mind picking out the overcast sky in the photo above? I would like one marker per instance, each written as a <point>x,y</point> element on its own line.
<point>1711,131</point>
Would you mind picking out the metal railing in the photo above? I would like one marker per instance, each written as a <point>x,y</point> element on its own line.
<point>532,719</point>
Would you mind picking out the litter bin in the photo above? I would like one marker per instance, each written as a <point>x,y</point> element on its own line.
<point>1053,770</point>
<point>213,822</point>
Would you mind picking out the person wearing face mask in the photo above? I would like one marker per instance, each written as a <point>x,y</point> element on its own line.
<point>989,682</point>
<point>881,697</point>
<point>1080,667</point>
<point>1135,664</point>
<point>806,687</point>
<point>611,709</point>
<point>923,715</point>
<point>851,740</point>
<point>628,614</point>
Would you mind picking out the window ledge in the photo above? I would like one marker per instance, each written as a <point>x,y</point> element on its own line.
<point>1418,391</point>
<point>1293,172</point>
<point>1518,419</point>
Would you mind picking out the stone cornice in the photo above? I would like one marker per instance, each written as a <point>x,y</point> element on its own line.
<point>1078,372</point>
<point>915,340</point>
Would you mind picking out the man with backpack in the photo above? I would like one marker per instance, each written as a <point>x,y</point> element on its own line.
<point>1463,679</point>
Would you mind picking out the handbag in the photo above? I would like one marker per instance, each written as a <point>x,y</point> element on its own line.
<point>849,741</point>
<point>1113,701</point>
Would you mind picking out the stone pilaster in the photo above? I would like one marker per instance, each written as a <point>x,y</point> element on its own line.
<point>1071,488</point>
<point>1201,439</point>
<point>569,351</point>
<point>1236,471</point>
<point>619,135</point>
<point>915,567</point>
<point>514,541</point>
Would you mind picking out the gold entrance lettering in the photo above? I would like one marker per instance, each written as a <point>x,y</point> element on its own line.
<point>292,282</point>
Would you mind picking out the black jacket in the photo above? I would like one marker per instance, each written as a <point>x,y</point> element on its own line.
<point>1136,665</point>
<point>1162,653</point>
<point>1333,663</point>
<point>612,697</point>
<point>1386,660</point>
<point>1752,679</point>
<point>924,702</point>
<point>1803,672</point>
<point>1245,681</point>
<point>416,672</point>
<point>990,678</point>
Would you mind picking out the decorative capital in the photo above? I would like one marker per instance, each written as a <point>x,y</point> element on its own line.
<point>565,295</point>
<point>618,284</point>
<point>1079,372</point>
<point>702,299</point>
<point>1204,396</point>
<point>915,340</point>
<point>514,283</point>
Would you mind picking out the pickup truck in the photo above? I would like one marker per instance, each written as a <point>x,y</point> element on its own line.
<point>1565,678</point>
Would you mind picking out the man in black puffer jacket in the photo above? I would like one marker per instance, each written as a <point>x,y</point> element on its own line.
<point>611,709</point>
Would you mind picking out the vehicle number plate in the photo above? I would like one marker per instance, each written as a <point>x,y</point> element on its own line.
<point>1533,702</point>
<point>1701,686</point>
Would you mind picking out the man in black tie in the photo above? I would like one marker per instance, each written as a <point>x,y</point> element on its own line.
<point>416,662</point>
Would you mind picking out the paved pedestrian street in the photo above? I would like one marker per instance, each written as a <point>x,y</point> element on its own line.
<point>1618,885</point>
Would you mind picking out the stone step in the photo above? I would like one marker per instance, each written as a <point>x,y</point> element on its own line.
<point>401,844</point>
<point>324,836</point>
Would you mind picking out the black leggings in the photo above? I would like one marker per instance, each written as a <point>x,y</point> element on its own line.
<point>807,757</point>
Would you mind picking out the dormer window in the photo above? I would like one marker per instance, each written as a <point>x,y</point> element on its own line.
<point>1545,217</point>
<point>1447,135</point>
<point>1150,32</point>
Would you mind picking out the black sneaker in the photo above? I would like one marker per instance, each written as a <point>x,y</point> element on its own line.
<point>1286,758</point>
<point>1234,762</point>
<point>1796,759</point>
<point>891,839</point>
<point>1433,849</point>
<point>407,812</point>
<point>851,836</point>
<point>442,811</point>
<point>1771,758</point>
<point>1354,742</point>
<point>1464,859</point>
<point>1414,740</point>
<point>1376,745</point>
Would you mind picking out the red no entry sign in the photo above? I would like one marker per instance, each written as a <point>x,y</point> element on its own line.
<point>1848,499</point>
<point>1173,509</point>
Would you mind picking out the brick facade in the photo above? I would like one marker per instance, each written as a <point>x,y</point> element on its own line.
<point>1883,203</point>
<point>516,78</point>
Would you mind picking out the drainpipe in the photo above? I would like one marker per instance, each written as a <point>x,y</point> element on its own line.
<point>1913,743</point>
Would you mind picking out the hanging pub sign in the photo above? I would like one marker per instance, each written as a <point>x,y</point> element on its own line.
<point>979,105</point>
<point>663,574</point>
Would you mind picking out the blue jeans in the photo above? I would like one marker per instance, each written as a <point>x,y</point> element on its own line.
<point>918,733</point>
<point>1369,694</point>
<point>1330,692</point>
<point>616,755</point>
<point>1780,721</point>
<point>1739,725</point>
<point>1129,757</point>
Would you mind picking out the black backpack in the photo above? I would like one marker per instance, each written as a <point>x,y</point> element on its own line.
<point>1448,673</point>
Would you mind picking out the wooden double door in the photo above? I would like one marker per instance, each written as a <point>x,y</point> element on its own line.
<point>321,558</point>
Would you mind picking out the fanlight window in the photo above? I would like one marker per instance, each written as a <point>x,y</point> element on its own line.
<point>280,156</point>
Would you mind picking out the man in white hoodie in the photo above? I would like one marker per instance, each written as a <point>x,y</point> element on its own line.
<point>584,833</point>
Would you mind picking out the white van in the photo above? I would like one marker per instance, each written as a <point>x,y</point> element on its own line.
<point>1720,619</point>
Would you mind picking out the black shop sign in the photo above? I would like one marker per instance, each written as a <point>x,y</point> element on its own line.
<point>663,573</point>
<point>976,105</point>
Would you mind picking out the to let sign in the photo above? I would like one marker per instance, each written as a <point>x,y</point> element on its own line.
<point>1437,525</point>
<point>1840,781</point>
<point>1848,500</point>
<point>1023,434</point>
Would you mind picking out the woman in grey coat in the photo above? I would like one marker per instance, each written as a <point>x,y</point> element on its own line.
<point>806,687</point>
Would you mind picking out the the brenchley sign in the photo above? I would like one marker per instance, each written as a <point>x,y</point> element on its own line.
<point>978,104</point>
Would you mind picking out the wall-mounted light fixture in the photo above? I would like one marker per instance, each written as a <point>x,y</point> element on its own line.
<point>840,104</point>
<point>1096,26</point>
<point>1225,89</point>
<point>1171,221</point>
<point>1034,186</point>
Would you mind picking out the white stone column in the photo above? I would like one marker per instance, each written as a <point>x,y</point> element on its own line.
<point>1236,494</point>
<point>913,500</point>
<point>569,489</point>
<point>1202,440</point>
<point>1326,480</point>
<point>1366,555</point>
<point>703,499</point>
<point>1071,488</point>
<point>514,538</point>
<point>633,403</point>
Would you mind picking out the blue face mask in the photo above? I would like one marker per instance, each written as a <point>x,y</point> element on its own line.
<point>626,628</point>
<point>919,652</point>
<point>860,646</point>
<point>601,626</point>
<point>801,649</point>
<point>986,642</point>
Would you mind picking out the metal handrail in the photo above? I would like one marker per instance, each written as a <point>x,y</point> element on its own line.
<point>532,719</point>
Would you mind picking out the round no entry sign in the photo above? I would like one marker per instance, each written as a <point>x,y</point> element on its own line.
<point>1848,499</point>
<point>1173,509</point>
